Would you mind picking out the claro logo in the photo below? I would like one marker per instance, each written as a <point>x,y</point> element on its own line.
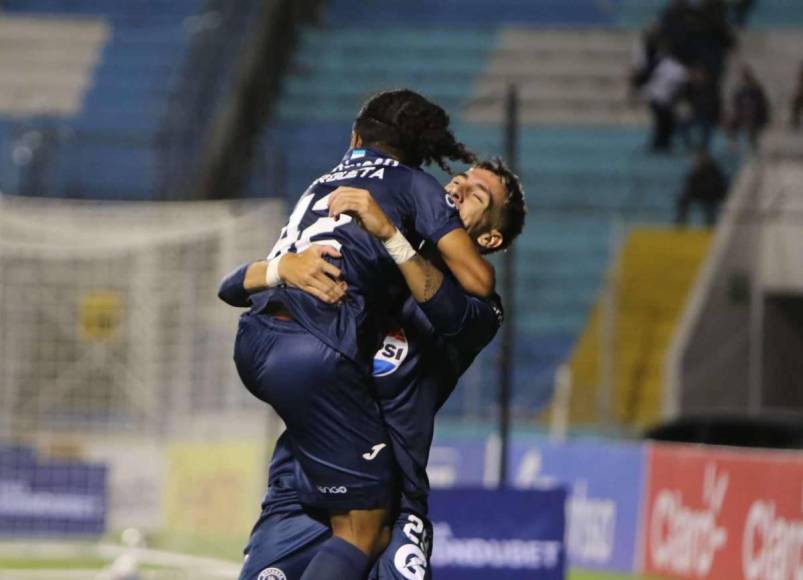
<point>772,546</point>
<point>332,489</point>
<point>685,540</point>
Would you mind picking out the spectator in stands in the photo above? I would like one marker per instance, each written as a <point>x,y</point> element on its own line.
<point>676,26</point>
<point>706,185</point>
<point>739,10</point>
<point>645,57</point>
<point>714,37</point>
<point>666,83</point>
<point>705,103</point>
<point>750,110</point>
<point>797,101</point>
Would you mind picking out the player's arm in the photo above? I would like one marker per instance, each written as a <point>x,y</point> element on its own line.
<point>475,274</point>
<point>422,277</point>
<point>307,271</point>
<point>439,223</point>
<point>232,288</point>
<point>482,319</point>
<point>446,305</point>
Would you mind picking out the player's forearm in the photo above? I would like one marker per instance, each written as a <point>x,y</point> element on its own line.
<point>422,278</point>
<point>232,290</point>
<point>256,277</point>
<point>238,285</point>
<point>472,272</point>
<point>476,277</point>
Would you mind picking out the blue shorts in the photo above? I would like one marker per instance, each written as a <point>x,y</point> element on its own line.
<point>333,421</point>
<point>287,537</point>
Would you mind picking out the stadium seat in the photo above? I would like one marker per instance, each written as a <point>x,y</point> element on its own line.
<point>111,141</point>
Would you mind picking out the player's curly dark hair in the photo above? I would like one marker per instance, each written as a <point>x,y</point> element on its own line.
<point>412,127</point>
<point>512,214</point>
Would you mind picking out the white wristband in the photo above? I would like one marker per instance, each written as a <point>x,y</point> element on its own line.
<point>399,248</point>
<point>272,278</point>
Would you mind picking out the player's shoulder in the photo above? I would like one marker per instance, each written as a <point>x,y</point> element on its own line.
<point>423,181</point>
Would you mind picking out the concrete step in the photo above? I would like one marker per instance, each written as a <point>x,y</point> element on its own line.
<point>567,39</point>
<point>557,113</point>
<point>67,31</point>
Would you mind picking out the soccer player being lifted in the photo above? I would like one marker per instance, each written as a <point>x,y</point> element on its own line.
<point>311,360</point>
<point>431,343</point>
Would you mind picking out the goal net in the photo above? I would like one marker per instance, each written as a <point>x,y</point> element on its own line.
<point>120,406</point>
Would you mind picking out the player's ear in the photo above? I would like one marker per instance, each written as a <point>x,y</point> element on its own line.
<point>490,240</point>
<point>356,140</point>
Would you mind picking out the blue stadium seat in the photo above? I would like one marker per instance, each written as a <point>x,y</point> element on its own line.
<point>114,137</point>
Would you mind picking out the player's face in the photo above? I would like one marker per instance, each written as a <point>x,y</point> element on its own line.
<point>479,195</point>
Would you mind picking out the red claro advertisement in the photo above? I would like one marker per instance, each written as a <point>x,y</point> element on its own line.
<point>713,512</point>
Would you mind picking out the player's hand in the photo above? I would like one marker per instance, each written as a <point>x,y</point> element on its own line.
<point>359,203</point>
<point>308,271</point>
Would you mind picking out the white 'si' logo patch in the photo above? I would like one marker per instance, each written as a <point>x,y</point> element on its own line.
<point>391,354</point>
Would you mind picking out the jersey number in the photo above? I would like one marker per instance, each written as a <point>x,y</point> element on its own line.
<point>291,238</point>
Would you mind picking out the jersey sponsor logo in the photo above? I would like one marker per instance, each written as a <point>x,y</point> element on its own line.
<point>333,489</point>
<point>271,574</point>
<point>374,452</point>
<point>411,562</point>
<point>391,354</point>
<point>358,154</point>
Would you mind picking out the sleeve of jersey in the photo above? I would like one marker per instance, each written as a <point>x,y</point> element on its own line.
<point>232,291</point>
<point>464,321</point>
<point>434,217</point>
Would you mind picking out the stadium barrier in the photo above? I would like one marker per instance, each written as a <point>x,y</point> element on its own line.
<point>47,497</point>
<point>507,534</point>
<point>683,511</point>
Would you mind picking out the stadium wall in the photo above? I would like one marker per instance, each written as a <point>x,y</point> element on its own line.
<point>661,509</point>
<point>722,357</point>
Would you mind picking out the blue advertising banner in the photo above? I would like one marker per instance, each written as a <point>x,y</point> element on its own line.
<point>50,497</point>
<point>504,535</point>
<point>606,481</point>
<point>459,461</point>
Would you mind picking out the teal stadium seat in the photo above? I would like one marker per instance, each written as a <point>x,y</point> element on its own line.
<point>113,152</point>
<point>767,14</point>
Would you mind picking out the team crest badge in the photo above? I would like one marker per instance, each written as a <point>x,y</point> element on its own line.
<point>391,354</point>
<point>271,574</point>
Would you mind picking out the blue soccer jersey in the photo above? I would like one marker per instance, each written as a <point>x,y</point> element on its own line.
<point>415,370</point>
<point>413,200</point>
<point>441,337</point>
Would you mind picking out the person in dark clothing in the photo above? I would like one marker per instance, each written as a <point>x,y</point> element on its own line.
<point>739,11</point>
<point>645,58</point>
<point>706,185</point>
<point>675,28</point>
<point>704,100</point>
<point>715,37</point>
<point>667,83</point>
<point>797,101</point>
<point>750,109</point>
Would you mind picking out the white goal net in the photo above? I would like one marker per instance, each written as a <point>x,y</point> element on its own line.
<point>119,403</point>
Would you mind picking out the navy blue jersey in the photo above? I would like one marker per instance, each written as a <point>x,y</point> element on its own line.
<point>412,386</point>
<point>415,370</point>
<point>414,202</point>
